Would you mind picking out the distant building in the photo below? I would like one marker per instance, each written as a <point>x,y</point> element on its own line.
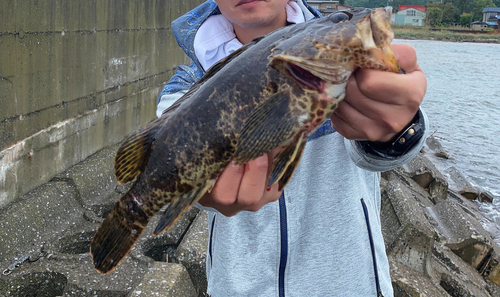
<point>490,14</point>
<point>492,25</point>
<point>410,15</point>
<point>478,26</point>
<point>327,7</point>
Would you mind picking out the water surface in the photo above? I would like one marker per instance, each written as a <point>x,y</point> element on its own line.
<point>463,105</point>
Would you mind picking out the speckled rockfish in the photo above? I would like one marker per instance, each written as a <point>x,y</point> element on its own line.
<point>270,93</point>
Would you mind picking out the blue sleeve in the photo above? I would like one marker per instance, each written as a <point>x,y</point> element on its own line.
<point>178,85</point>
<point>184,77</point>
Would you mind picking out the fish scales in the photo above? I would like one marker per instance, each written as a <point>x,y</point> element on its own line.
<point>272,92</point>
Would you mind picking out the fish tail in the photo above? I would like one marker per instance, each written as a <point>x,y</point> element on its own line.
<point>118,233</point>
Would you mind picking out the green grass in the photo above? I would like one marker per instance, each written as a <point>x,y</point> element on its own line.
<point>445,34</point>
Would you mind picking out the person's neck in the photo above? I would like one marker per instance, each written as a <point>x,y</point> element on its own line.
<point>245,35</point>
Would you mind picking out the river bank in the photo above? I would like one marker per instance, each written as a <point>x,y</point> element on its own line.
<point>446,34</point>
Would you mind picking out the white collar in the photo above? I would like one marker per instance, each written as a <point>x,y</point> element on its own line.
<point>215,39</point>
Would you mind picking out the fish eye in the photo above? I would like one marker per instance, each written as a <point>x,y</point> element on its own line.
<point>340,17</point>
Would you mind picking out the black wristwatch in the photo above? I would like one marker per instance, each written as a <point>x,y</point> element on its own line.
<point>398,145</point>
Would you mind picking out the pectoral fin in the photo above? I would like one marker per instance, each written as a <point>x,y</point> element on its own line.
<point>133,154</point>
<point>267,127</point>
<point>286,161</point>
<point>178,205</point>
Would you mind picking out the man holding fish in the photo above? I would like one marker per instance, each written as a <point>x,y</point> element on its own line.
<point>320,235</point>
<point>333,83</point>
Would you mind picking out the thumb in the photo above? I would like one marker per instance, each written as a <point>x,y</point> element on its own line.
<point>406,57</point>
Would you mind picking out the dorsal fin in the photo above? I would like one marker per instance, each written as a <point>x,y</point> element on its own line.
<point>210,73</point>
<point>133,154</point>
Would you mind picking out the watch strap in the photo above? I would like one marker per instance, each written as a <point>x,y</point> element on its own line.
<point>399,144</point>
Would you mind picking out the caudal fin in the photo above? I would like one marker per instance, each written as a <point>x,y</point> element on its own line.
<point>116,236</point>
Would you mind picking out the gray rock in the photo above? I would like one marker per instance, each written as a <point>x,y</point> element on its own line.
<point>469,193</point>
<point>76,243</point>
<point>163,246</point>
<point>492,270</point>
<point>463,234</point>
<point>192,252</point>
<point>167,280</point>
<point>45,283</point>
<point>40,217</point>
<point>435,245</point>
<point>95,181</point>
<point>435,146</point>
<point>74,275</point>
<point>456,277</point>
<point>494,277</point>
<point>424,173</point>
<point>63,218</point>
<point>492,288</point>
<point>459,184</point>
<point>467,205</point>
<point>473,252</point>
<point>407,233</point>
<point>409,283</point>
<point>486,196</point>
<point>474,209</point>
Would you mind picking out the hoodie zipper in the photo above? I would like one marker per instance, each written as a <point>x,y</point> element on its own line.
<point>283,247</point>
<point>372,247</point>
<point>324,129</point>
<point>210,241</point>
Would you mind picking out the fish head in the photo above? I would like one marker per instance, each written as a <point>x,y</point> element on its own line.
<point>321,55</point>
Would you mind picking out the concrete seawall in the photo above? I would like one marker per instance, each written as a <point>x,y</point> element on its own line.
<point>77,77</point>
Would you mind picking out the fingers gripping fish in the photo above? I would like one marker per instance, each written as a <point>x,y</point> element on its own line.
<point>272,92</point>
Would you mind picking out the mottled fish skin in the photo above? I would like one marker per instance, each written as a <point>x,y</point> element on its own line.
<point>263,99</point>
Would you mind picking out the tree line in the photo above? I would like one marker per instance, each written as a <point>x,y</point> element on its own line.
<point>446,12</point>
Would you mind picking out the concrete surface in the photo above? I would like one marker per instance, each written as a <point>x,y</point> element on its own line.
<point>76,77</point>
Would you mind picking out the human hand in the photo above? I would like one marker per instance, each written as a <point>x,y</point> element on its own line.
<point>379,104</point>
<point>243,187</point>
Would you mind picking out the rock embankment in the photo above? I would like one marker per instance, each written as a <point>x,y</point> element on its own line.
<point>435,234</point>
<point>438,242</point>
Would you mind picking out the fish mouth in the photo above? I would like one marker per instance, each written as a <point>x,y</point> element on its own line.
<point>315,75</point>
<point>319,80</point>
<point>305,78</point>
